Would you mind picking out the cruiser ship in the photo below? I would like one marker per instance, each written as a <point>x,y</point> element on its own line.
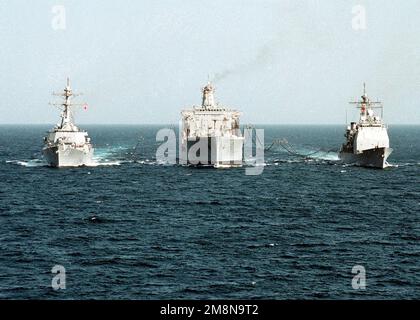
<point>66,145</point>
<point>210,134</point>
<point>367,142</point>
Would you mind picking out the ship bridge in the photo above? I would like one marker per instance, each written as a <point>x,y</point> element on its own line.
<point>210,119</point>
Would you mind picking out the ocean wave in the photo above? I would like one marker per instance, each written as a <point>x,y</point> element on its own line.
<point>252,162</point>
<point>109,156</point>
<point>155,162</point>
<point>29,163</point>
<point>148,162</point>
<point>308,152</point>
<point>405,164</point>
<point>35,163</point>
<point>104,163</point>
<point>329,156</point>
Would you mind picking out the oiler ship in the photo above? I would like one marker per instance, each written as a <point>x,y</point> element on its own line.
<point>367,142</point>
<point>66,145</point>
<point>210,134</point>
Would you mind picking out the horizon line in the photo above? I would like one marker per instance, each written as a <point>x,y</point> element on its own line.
<point>160,124</point>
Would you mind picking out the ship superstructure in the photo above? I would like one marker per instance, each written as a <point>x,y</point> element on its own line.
<point>66,145</point>
<point>367,142</point>
<point>211,134</point>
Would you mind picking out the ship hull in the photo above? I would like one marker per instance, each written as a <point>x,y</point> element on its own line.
<point>373,158</point>
<point>69,157</point>
<point>217,152</point>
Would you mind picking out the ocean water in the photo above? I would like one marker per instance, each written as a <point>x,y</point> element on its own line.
<point>131,228</point>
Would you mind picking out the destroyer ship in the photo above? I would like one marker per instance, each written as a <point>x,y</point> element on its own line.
<point>66,145</point>
<point>210,134</point>
<point>367,142</point>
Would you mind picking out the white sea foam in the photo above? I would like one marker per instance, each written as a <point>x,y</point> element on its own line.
<point>252,162</point>
<point>29,163</point>
<point>329,156</point>
<point>405,164</point>
<point>104,163</point>
<point>42,163</point>
<point>149,162</point>
<point>102,157</point>
<point>107,157</point>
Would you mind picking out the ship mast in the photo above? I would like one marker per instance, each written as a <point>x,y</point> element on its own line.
<point>365,104</point>
<point>67,118</point>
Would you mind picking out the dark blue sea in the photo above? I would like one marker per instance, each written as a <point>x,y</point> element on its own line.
<point>131,228</point>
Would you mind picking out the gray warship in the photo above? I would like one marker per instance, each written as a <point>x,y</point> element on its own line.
<point>211,134</point>
<point>367,142</point>
<point>66,145</point>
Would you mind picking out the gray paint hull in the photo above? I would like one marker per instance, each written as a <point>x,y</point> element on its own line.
<point>374,158</point>
<point>71,157</point>
<point>218,153</point>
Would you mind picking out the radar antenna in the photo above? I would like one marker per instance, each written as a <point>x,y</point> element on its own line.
<point>67,115</point>
<point>365,103</point>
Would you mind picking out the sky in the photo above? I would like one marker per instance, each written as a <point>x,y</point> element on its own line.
<point>143,61</point>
